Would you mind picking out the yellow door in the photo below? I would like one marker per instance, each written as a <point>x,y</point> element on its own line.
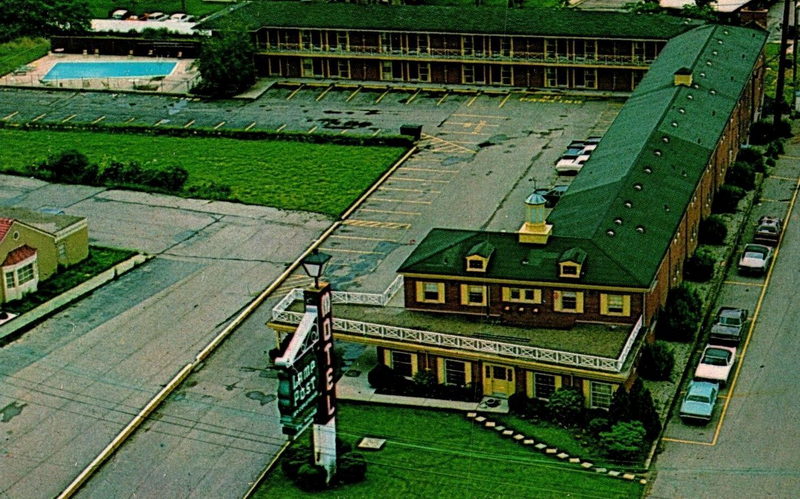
<point>498,380</point>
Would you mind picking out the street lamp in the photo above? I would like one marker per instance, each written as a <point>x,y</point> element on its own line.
<point>314,264</point>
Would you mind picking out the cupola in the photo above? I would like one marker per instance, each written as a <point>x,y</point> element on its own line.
<point>535,229</point>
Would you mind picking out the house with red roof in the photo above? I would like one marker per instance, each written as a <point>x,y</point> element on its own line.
<point>33,245</point>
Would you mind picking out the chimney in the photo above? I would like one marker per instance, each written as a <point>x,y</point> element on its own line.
<point>683,77</point>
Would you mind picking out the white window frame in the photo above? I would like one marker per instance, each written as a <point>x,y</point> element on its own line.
<point>544,377</point>
<point>451,368</point>
<point>593,395</point>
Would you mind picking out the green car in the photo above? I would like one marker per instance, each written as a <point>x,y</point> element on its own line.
<point>698,405</point>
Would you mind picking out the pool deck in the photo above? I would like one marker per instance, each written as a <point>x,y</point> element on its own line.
<point>179,81</point>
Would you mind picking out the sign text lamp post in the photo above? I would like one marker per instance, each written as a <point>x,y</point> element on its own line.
<point>306,389</point>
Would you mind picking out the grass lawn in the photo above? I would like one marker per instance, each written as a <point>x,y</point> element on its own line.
<point>99,260</point>
<point>101,9</point>
<point>323,178</point>
<point>21,51</point>
<point>771,76</point>
<point>494,3</point>
<point>440,454</point>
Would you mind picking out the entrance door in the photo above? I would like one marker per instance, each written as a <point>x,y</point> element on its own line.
<point>498,380</point>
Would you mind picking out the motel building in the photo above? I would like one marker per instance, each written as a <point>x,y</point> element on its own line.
<point>570,298</point>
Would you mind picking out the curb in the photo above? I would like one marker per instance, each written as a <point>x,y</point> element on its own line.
<point>14,328</point>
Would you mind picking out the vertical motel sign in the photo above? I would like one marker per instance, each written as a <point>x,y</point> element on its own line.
<point>306,388</point>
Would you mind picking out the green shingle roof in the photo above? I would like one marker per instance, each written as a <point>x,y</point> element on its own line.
<point>632,193</point>
<point>624,207</point>
<point>464,19</point>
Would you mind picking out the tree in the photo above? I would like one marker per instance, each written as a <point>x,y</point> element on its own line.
<point>42,18</point>
<point>566,406</point>
<point>657,361</point>
<point>679,319</point>
<point>226,64</point>
<point>635,405</point>
<point>713,230</point>
<point>700,266</point>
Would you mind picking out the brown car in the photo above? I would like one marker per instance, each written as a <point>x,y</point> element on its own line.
<point>768,230</point>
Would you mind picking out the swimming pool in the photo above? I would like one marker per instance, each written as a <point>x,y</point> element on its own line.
<point>121,69</point>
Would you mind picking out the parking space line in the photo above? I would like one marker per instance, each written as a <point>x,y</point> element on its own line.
<point>251,125</point>
<point>505,99</point>
<point>344,131</point>
<point>392,212</point>
<point>131,119</point>
<point>681,441</point>
<point>218,125</point>
<point>38,118</point>
<point>9,116</point>
<point>377,132</point>
<point>444,98</point>
<point>68,118</point>
<point>358,252</point>
<point>469,123</point>
<point>404,201</point>
<point>472,100</point>
<point>364,238</point>
<point>384,94</point>
<point>160,122</point>
<point>188,124</point>
<point>402,189</point>
<point>466,133</point>
<point>281,127</point>
<point>784,178</point>
<point>741,283</point>
<point>325,92</point>
<point>479,116</point>
<point>377,224</point>
<point>289,97</point>
<point>410,99</point>
<point>770,200</point>
<point>313,128</point>
<point>98,120</point>
<point>430,170</point>
<point>442,141</point>
<point>355,92</point>
<point>410,179</point>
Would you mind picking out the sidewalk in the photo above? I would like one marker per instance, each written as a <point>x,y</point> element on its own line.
<point>354,386</point>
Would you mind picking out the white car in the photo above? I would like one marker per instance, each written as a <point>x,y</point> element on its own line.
<point>755,259</point>
<point>156,16</point>
<point>716,364</point>
<point>181,17</point>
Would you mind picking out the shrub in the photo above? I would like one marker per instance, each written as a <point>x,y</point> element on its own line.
<point>525,407</point>
<point>351,468</point>
<point>382,376</point>
<point>425,378</point>
<point>598,425</point>
<point>517,402</point>
<point>566,406</point>
<point>753,156</point>
<point>68,166</point>
<point>656,362</point>
<point>209,190</point>
<point>680,317</point>
<point>775,148</point>
<point>293,459</point>
<point>763,132</point>
<point>625,441</point>
<point>741,174</point>
<point>170,178</point>
<point>700,266</point>
<point>713,230</point>
<point>311,477</point>
<point>727,199</point>
<point>643,410</point>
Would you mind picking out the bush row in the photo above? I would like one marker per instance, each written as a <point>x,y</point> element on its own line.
<point>315,138</point>
<point>386,380</point>
<point>298,465</point>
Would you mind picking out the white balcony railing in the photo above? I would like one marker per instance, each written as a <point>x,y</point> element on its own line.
<point>468,343</point>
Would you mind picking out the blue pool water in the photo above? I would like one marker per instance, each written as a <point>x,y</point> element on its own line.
<point>122,69</point>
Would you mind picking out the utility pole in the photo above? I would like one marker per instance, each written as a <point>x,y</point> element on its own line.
<point>781,83</point>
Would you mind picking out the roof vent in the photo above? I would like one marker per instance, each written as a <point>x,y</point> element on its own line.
<point>640,229</point>
<point>666,208</point>
<point>665,139</point>
<point>708,63</point>
<point>637,186</point>
<point>648,169</point>
<point>657,152</point>
<point>675,124</point>
<point>682,77</point>
<point>611,233</point>
<point>702,74</point>
<point>712,92</point>
<point>682,110</point>
<point>618,221</point>
<point>628,204</point>
<point>714,52</point>
<point>690,97</point>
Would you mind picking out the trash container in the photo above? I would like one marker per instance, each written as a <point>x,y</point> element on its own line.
<point>414,131</point>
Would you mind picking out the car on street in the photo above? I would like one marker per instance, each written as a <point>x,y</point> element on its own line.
<point>728,326</point>
<point>755,259</point>
<point>120,14</point>
<point>156,16</point>
<point>698,404</point>
<point>577,153</point>
<point>768,230</point>
<point>181,17</point>
<point>716,364</point>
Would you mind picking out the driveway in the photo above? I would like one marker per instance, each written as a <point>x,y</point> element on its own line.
<point>70,384</point>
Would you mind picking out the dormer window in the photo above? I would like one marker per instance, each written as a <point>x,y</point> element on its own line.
<point>570,264</point>
<point>478,256</point>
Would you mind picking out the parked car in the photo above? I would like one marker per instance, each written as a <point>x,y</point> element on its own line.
<point>155,16</point>
<point>755,259</point>
<point>716,364</point>
<point>768,230</point>
<point>728,325</point>
<point>552,196</point>
<point>120,14</point>
<point>181,17</point>
<point>577,153</point>
<point>699,402</point>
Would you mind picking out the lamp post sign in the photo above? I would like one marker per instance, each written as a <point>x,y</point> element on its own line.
<point>306,386</point>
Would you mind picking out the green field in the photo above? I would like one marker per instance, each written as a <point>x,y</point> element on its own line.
<point>20,52</point>
<point>324,178</point>
<point>440,454</point>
